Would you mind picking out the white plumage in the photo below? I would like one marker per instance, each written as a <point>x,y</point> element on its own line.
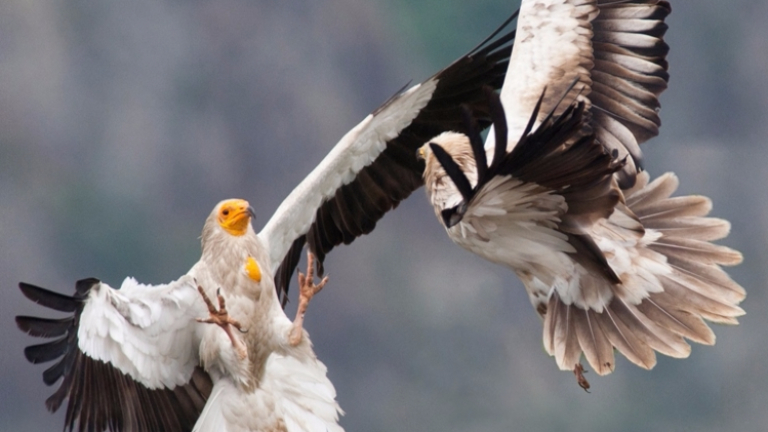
<point>150,338</point>
<point>145,331</point>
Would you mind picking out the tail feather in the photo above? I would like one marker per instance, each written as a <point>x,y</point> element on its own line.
<point>626,340</point>
<point>567,344</point>
<point>684,323</point>
<point>711,275</point>
<point>672,208</point>
<point>656,337</point>
<point>624,326</point>
<point>695,228</point>
<point>672,283</point>
<point>705,288</point>
<point>691,301</point>
<point>642,193</point>
<point>696,250</point>
<point>597,348</point>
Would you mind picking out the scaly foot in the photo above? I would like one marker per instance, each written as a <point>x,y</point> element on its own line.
<point>307,290</point>
<point>579,371</point>
<point>222,319</point>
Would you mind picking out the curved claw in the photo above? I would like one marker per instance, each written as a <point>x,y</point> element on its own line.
<point>221,318</point>
<point>307,290</point>
<point>579,371</point>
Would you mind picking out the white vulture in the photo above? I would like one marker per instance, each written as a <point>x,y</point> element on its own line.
<point>610,260</point>
<point>137,358</point>
<point>146,357</point>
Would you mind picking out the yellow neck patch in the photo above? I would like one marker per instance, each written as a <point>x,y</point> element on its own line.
<point>252,268</point>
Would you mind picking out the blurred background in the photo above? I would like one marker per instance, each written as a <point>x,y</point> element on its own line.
<point>123,123</point>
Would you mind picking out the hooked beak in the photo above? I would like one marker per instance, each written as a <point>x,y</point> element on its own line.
<point>421,154</point>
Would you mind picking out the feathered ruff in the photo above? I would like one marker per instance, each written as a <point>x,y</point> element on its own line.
<point>672,281</point>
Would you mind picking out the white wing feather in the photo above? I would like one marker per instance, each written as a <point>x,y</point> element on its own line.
<point>294,396</point>
<point>616,51</point>
<point>552,48</point>
<point>306,395</point>
<point>357,149</point>
<point>147,332</point>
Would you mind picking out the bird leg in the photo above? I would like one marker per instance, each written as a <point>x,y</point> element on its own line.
<point>222,319</point>
<point>579,371</point>
<point>307,290</point>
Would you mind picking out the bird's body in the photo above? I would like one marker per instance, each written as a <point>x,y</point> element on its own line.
<point>515,223</point>
<point>222,265</point>
<point>271,379</point>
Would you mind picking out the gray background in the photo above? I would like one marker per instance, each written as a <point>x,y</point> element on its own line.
<point>123,123</point>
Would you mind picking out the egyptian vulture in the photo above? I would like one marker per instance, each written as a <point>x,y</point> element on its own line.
<point>610,260</point>
<point>146,357</point>
<point>166,358</point>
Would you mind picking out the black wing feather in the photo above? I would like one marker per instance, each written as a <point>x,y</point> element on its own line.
<point>560,155</point>
<point>397,172</point>
<point>49,299</point>
<point>476,141</point>
<point>453,170</point>
<point>44,327</point>
<point>499,129</point>
<point>100,396</point>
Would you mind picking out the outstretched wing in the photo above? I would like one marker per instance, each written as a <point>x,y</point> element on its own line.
<point>615,49</point>
<point>128,358</point>
<point>374,166</point>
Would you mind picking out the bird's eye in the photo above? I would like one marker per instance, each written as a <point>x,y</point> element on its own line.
<point>225,212</point>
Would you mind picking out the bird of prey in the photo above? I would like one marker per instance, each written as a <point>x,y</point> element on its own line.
<point>146,357</point>
<point>609,259</point>
<point>138,357</point>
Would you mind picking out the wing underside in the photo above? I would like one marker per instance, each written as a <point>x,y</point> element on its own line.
<point>102,394</point>
<point>615,49</point>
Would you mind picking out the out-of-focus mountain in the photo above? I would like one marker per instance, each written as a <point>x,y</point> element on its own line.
<point>123,123</point>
